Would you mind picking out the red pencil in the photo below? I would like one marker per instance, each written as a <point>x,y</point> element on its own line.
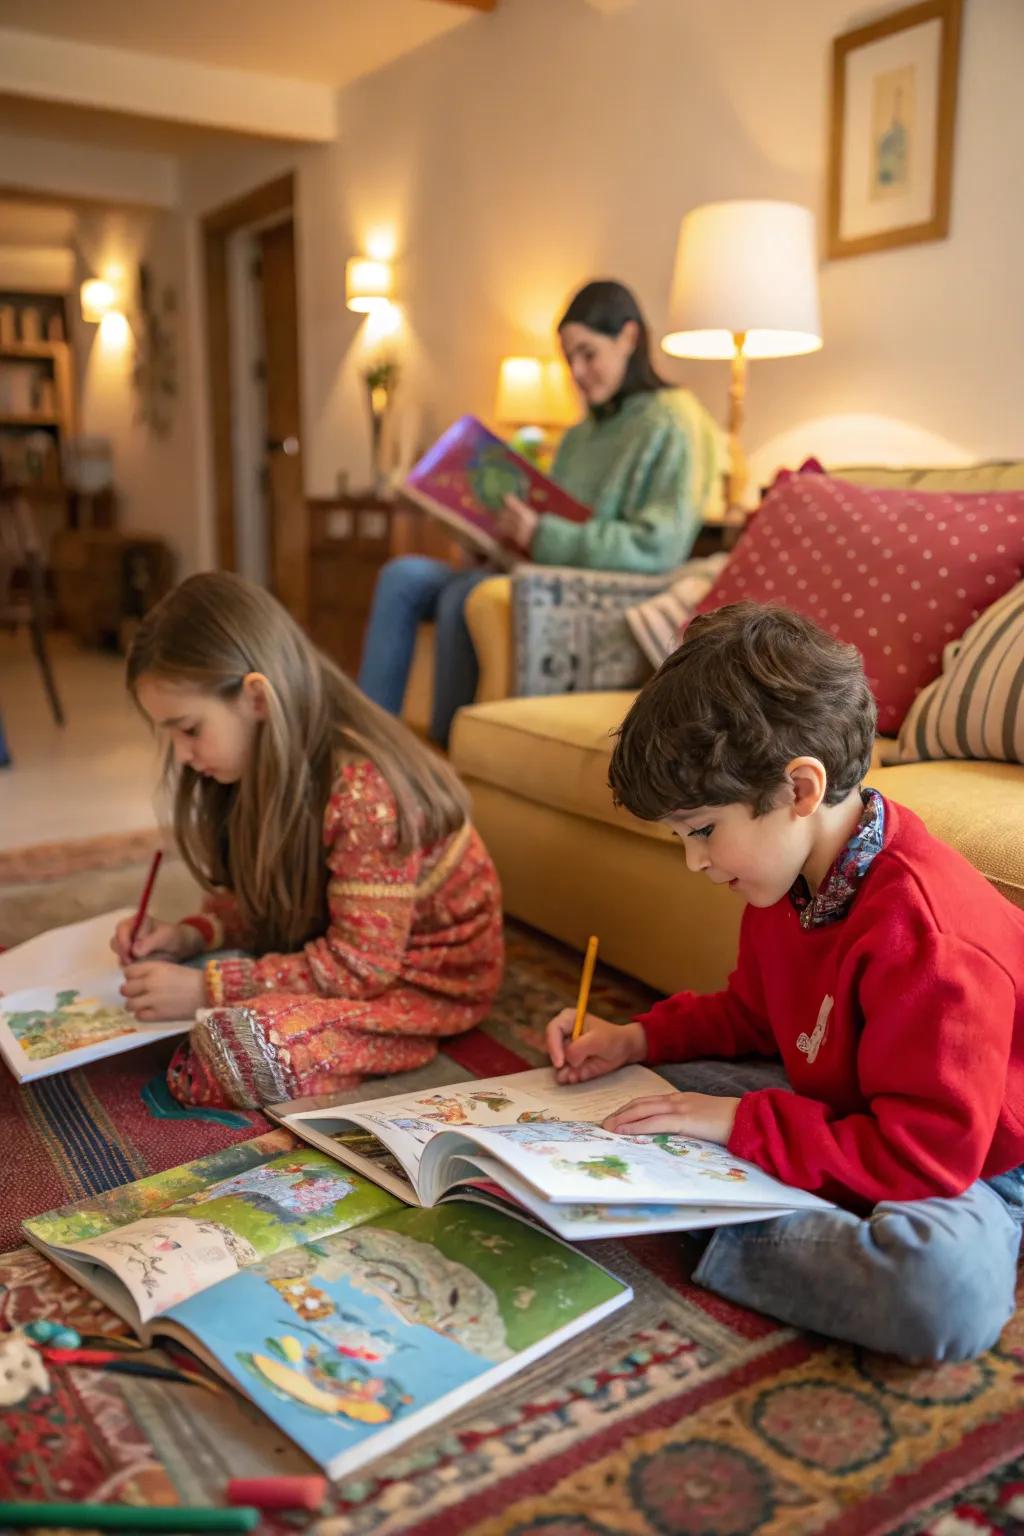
<point>140,916</point>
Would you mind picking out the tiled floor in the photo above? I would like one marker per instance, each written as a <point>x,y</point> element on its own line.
<point>96,775</point>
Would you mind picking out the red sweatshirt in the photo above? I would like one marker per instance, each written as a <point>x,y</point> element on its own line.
<point>901,1029</point>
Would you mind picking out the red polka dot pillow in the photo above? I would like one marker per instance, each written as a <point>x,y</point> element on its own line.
<point>898,573</point>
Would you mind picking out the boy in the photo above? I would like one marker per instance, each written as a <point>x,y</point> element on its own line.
<point>879,965</point>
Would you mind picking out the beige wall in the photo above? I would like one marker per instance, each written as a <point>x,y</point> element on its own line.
<point>551,142</point>
<point>157,476</point>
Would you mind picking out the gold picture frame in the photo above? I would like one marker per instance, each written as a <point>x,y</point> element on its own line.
<point>894,87</point>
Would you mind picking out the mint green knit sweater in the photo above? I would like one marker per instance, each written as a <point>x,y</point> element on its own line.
<point>647,473</point>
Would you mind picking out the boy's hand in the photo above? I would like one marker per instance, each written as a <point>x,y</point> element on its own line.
<point>602,1047</point>
<point>155,990</point>
<point>178,941</point>
<point>688,1114</point>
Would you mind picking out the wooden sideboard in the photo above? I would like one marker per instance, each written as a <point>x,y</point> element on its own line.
<point>350,538</point>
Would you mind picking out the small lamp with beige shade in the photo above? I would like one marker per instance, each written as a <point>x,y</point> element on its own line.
<point>745,286</point>
<point>535,397</point>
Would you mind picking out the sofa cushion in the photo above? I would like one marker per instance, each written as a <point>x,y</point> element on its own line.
<point>656,623</point>
<point>555,752</point>
<point>990,475</point>
<point>976,708</point>
<point>978,808</point>
<point>898,573</point>
<point>571,634</point>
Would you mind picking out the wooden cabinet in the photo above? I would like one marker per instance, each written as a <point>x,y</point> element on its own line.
<point>350,538</point>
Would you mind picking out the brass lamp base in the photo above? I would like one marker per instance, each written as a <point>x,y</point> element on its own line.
<point>735,511</point>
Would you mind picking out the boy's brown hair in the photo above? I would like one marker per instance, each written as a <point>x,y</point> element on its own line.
<point>750,688</point>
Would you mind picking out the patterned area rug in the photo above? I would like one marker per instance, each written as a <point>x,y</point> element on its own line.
<point>682,1416</point>
<point>55,883</point>
<point>50,861</point>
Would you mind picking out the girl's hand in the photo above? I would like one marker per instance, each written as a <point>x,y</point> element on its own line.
<point>155,990</point>
<point>178,941</point>
<point>689,1114</point>
<point>517,522</point>
<point>602,1047</point>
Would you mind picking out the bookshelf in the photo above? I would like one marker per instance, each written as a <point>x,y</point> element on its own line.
<point>37,389</point>
<point>38,415</point>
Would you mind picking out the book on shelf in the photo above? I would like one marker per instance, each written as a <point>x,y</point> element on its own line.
<point>349,1319</point>
<point>464,479</point>
<point>61,1003</point>
<point>536,1146</point>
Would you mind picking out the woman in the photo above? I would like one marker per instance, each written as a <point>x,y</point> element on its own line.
<point>646,459</point>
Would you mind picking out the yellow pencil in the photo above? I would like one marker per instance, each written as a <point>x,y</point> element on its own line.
<point>589,961</point>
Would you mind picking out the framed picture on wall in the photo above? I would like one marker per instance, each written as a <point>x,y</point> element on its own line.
<point>893,113</point>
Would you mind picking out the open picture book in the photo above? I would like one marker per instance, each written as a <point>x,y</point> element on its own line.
<point>352,1321</point>
<point>61,1003</point>
<point>541,1148</point>
<point>464,479</point>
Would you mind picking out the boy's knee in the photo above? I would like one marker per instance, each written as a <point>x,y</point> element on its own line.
<point>955,1294</point>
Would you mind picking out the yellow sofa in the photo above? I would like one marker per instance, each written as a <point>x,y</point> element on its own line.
<point>571,864</point>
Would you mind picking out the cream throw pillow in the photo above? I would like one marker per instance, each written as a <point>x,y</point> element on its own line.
<point>975,708</point>
<point>656,623</point>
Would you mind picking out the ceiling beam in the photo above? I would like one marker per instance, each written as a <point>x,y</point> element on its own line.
<point>174,90</point>
<point>61,171</point>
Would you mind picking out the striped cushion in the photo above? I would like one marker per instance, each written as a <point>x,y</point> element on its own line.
<point>976,707</point>
<point>656,623</point>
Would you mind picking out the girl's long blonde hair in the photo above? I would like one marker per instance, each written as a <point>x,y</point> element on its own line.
<point>262,838</point>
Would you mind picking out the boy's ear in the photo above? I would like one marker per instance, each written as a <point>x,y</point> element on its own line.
<point>254,689</point>
<point>809,782</point>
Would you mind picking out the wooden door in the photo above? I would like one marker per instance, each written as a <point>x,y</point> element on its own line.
<point>288,531</point>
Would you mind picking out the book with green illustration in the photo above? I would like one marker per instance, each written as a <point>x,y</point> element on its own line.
<point>464,479</point>
<point>540,1147</point>
<point>61,1003</point>
<point>351,1320</point>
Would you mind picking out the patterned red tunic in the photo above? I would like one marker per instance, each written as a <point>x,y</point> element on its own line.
<point>413,951</point>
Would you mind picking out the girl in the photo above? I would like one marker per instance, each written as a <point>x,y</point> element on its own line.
<point>335,848</point>
<point>647,459</point>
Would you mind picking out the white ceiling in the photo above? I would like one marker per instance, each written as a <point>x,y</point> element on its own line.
<point>330,42</point>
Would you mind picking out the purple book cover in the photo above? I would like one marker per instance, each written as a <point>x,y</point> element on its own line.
<point>465,477</point>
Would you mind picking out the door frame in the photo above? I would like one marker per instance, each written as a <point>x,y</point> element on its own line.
<point>275,199</point>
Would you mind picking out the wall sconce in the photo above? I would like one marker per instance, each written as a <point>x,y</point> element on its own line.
<point>98,298</point>
<point>368,284</point>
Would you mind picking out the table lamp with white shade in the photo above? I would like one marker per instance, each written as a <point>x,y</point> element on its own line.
<point>745,286</point>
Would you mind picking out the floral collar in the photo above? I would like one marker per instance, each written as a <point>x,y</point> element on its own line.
<point>836,892</point>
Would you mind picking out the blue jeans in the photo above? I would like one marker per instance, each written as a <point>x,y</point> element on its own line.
<point>410,590</point>
<point>922,1279</point>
